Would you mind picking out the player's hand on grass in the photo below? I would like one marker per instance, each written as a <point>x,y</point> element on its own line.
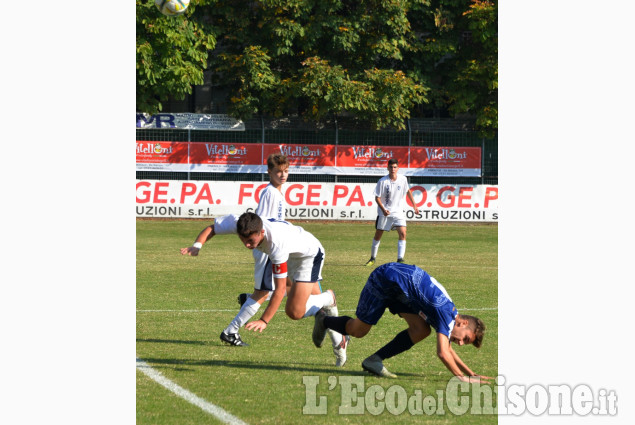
<point>256,325</point>
<point>476,379</point>
<point>190,250</point>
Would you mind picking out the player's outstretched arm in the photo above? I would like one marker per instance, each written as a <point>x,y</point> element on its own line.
<point>444,352</point>
<point>274,303</point>
<point>205,235</point>
<point>453,362</point>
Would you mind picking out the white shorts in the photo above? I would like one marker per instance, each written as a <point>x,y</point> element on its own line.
<point>387,223</point>
<point>263,278</point>
<point>306,269</point>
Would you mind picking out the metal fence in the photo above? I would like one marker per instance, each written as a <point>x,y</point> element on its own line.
<point>419,132</point>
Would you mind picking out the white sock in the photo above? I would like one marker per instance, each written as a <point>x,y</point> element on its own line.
<point>246,312</point>
<point>374,248</point>
<point>336,337</point>
<point>401,249</point>
<point>316,302</point>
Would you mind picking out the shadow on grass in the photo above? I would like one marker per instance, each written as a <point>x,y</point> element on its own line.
<point>176,341</point>
<point>273,366</point>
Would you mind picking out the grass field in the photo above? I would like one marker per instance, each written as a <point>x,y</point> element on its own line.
<point>183,304</point>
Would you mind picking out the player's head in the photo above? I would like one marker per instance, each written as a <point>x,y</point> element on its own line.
<point>249,229</point>
<point>468,330</point>
<point>277,160</point>
<point>278,169</point>
<point>393,165</point>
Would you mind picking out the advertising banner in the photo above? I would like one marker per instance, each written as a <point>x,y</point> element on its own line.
<point>306,159</point>
<point>220,122</point>
<point>227,157</point>
<point>319,159</point>
<point>162,156</point>
<point>312,201</point>
<point>445,161</point>
<point>370,160</point>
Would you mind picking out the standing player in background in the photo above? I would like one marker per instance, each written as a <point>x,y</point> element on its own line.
<point>389,196</point>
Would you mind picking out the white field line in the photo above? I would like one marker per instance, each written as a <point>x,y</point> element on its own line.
<point>236,309</point>
<point>192,398</point>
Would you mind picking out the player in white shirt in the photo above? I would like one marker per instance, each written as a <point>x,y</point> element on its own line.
<point>390,193</point>
<point>293,252</point>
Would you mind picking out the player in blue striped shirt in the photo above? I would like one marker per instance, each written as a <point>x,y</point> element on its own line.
<point>423,303</point>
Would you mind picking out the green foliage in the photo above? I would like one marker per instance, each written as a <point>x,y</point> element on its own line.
<point>172,53</point>
<point>377,60</point>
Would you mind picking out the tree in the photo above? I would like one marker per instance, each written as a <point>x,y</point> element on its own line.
<point>172,53</point>
<point>380,61</point>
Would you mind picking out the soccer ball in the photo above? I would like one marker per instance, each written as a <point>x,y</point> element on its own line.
<point>172,7</point>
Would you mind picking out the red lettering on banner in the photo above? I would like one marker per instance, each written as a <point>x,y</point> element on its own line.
<point>297,200</point>
<point>158,192</point>
<point>465,197</point>
<point>450,202</point>
<point>415,189</point>
<point>339,191</point>
<point>356,196</point>
<point>258,190</point>
<point>187,189</point>
<point>491,194</point>
<point>206,194</point>
<point>145,193</point>
<point>242,193</point>
<point>311,194</point>
<point>279,268</point>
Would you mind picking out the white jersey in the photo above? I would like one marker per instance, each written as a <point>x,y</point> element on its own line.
<point>392,195</point>
<point>283,240</point>
<point>271,204</point>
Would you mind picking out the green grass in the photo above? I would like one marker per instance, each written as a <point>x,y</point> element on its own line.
<point>263,384</point>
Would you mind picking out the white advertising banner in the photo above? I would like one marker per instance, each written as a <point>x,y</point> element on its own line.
<point>312,201</point>
<point>219,122</point>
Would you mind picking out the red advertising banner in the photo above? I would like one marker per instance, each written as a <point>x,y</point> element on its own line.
<point>446,161</point>
<point>162,156</point>
<point>162,152</point>
<point>324,159</point>
<point>314,156</point>
<point>226,157</point>
<point>370,159</point>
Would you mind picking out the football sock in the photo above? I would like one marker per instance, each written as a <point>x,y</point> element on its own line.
<point>374,249</point>
<point>316,302</point>
<point>338,324</point>
<point>336,337</point>
<point>399,344</point>
<point>401,249</point>
<point>246,312</point>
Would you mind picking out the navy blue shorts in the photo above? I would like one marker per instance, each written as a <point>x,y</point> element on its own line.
<point>378,295</point>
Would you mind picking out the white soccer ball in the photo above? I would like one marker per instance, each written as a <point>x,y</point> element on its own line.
<point>172,7</point>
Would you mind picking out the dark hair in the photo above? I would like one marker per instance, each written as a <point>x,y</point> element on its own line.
<point>248,224</point>
<point>477,326</point>
<point>393,161</point>
<point>276,160</point>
